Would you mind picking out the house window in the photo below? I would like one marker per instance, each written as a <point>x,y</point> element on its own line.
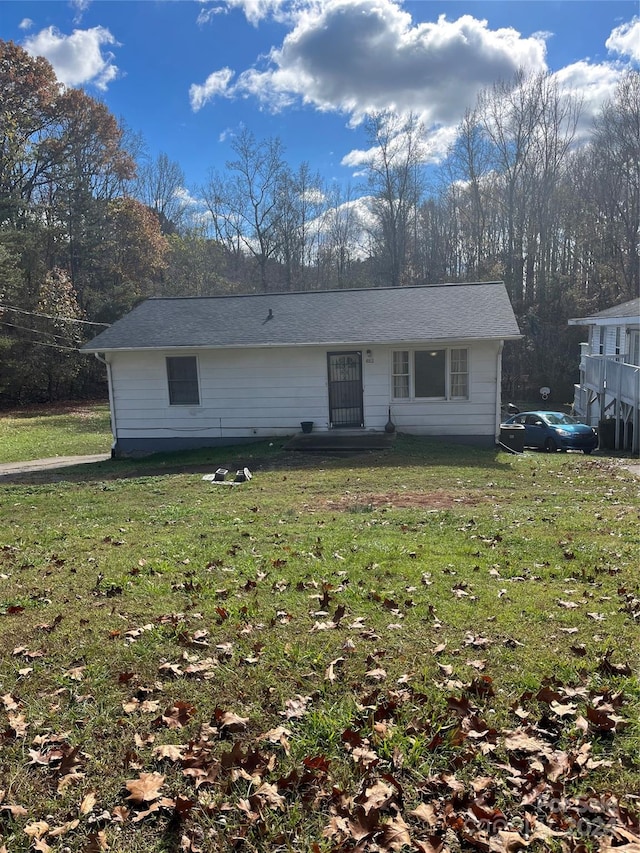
<point>618,339</point>
<point>441,374</point>
<point>400,373</point>
<point>459,388</point>
<point>182,379</point>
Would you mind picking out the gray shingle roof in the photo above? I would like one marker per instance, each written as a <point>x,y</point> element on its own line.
<point>629,309</point>
<point>334,317</point>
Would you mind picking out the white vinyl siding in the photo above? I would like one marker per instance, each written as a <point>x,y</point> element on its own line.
<point>264,392</point>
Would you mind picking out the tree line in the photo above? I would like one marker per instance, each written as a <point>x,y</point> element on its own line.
<point>89,225</point>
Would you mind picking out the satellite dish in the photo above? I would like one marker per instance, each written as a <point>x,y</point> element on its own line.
<point>544,392</point>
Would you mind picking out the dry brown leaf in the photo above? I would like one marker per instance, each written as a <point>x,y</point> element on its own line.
<point>279,735</point>
<point>145,788</point>
<point>268,795</point>
<point>18,724</point>
<point>97,842</point>
<point>10,702</point>
<point>330,672</point>
<point>76,673</point>
<point>519,739</point>
<point>296,708</point>
<point>178,715</point>
<point>378,796</point>
<point>230,722</point>
<point>36,829</point>
<point>15,811</point>
<point>88,803</point>
<point>426,813</point>
<point>395,834</point>
<point>69,826</point>
<point>170,750</point>
<point>378,674</point>
<point>563,710</point>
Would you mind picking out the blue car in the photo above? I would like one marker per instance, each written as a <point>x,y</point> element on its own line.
<point>553,431</point>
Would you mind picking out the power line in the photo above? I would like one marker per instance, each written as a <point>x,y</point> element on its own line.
<point>35,331</point>
<point>52,316</point>
<point>53,346</point>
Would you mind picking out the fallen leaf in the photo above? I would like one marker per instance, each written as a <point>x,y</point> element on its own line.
<point>330,672</point>
<point>426,813</point>
<point>69,826</point>
<point>145,788</point>
<point>88,803</point>
<point>378,674</point>
<point>37,829</point>
<point>395,834</point>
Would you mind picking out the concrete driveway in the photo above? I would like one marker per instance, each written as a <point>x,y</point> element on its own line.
<point>54,462</point>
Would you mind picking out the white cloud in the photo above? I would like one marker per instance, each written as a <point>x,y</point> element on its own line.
<point>77,59</point>
<point>357,56</point>
<point>625,39</point>
<point>184,196</point>
<point>253,10</point>
<point>592,84</point>
<point>216,84</point>
<point>81,7</point>
<point>434,147</point>
<point>25,24</point>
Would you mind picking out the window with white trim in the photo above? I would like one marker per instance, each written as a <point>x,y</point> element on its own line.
<point>430,374</point>
<point>400,374</point>
<point>182,380</point>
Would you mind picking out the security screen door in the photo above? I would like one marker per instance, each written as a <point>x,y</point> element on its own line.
<point>345,389</point>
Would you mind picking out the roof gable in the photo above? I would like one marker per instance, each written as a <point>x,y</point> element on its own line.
<point>626,311</point>
<point>322,317</point>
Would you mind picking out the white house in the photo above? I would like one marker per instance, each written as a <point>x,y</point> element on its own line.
<point>609,386</point>
<point>206,371</point>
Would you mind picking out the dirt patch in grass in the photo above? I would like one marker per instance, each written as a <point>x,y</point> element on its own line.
<point>404,500</point>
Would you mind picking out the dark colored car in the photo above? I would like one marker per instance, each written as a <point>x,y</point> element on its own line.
<point>555,431</point>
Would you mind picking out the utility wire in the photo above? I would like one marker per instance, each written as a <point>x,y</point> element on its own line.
<point>53,346</point>
<point>53,316</point>
<point>35,331</point>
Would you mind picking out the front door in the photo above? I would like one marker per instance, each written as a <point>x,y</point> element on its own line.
<point>345,389</point>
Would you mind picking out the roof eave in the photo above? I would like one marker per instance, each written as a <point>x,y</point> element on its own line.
<point>278,344</point>
<point>603,321</point>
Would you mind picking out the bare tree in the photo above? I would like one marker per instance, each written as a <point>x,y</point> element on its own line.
<point>245,206</point>
<point>159,185</point>
<point>395,186</point>
<point>468,171</point>
<point>616,184</point>
<point>301,203</point>
<point>341,230</point>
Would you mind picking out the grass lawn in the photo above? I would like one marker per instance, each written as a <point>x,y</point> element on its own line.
<point>37,432</point>
<point>430,648</point>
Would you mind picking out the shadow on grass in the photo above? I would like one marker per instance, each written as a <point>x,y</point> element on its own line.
<point>408,451</point>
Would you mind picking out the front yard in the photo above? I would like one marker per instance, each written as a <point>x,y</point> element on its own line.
<point>429,648</point>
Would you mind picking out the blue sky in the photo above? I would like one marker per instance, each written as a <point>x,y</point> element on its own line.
<point>187,75</point>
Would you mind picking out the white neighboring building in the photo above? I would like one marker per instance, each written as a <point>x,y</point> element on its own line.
<point>609,386</point>
<point>207,371</point>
